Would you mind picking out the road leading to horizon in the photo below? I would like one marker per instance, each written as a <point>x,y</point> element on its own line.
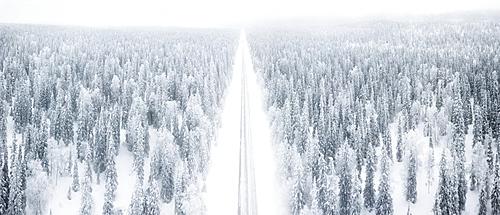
<point>242,177</point>
<point>247,198</point>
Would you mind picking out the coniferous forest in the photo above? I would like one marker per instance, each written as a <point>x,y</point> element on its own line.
<point>71,97</point>
<point>377,117</point>
<point>364,111</point>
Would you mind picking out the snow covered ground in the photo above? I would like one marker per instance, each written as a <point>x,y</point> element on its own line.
<point>222,180</point>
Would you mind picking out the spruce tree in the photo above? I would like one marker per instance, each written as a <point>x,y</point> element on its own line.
<point>75,186</point>
<point>151,203</point>
<point>483,210</point>
<point>430,162</point>
<point>411,176</point>
<point>495,192</point>
<point>384,204</point>
<point>369,191</point>
<point>87,203</point>
<point>445,202</point>
<point>458,151</point>
<point>111,180</point>
<point>348,181</point>
<point>4,183</point>
<point>137,201</point>
<point>4,165</point>
<point>399,146</point>
<point>386,137</point>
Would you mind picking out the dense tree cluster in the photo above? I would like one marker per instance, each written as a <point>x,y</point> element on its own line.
<point>346,86</point>
<point>72,93</point>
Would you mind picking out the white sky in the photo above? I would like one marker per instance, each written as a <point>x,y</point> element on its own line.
<point>200,13</point>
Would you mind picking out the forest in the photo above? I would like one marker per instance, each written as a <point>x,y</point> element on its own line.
<point>368,117</point>
<point>377,117</point>
<point>72,97</point>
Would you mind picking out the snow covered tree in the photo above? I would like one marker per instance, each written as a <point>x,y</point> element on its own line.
<point>296,181</point>
<point>399,146</point>
<point>483,207</point>
<point>37,193</point>
<point>75,186</point>
<point>458,152</point>
<point>151,203</point>
<point>137,135</point>
<point>411,176</point>
<point>163,164</point>
<point>495,192</point>
<point>384,204</point>
<point>22,105</point>
<point>4,171</point>
<point>111,180</point>
<point>107,208</point>
<point>137,202</point>
<point>4,183</point>
<point>386,138</point>
<point>369,191</point>
<point>17,197</point>
<point>479,167</point>
<point>349,185</point>
<point>430,162</point>
<point>446,195</point>
<point>87,203</point>
<point>66,120</point>
<point>327,183</point>
<point>100,144</point>
<point>114,126</point>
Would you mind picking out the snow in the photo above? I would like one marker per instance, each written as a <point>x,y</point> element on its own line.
<point>222,180</point>
<point>425,195</point>
<point>59,203</point>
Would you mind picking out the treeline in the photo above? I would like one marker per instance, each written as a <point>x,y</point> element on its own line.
<point>346,102</point>
<point>74,92</point>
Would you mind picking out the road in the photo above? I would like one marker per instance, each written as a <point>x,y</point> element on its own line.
<point>238,182</point>
<point>247,197</point>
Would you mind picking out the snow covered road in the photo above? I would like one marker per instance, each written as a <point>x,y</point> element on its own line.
<point>242,178</point>
<point>247,203</point>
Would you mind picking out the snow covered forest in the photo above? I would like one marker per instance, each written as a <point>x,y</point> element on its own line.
<point>377,117</point>
<point>384,117</point>
<point>92,116</point>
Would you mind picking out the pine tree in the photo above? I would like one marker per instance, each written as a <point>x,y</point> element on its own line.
<point>100,145</point>
<point>75,186</point>
<point>22,105</point>
<point>68,195</point>
<point>386,137</point>
<point>4,171</point>
<point>327,193</point>
<point>137,202</point>
<point>411,176</point>
<point>446,195</point>
<point>384,202</point>
<point>115,127</point>
<point>348,182</point>
<point>369,191</point>
<point>17,198</point>
<point>495,192</point>
<point>483,210</point>
<point>458,151</point>
<point>298,199</point>
<point>399,146</point>
<point>107,208</point>
<point>111,180</point>
<point>37,193</point>
<point>4,183</point>
<point>151,203</point>
<point>87,203</point>
<point>67,132</point>
<point>430,162</point>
